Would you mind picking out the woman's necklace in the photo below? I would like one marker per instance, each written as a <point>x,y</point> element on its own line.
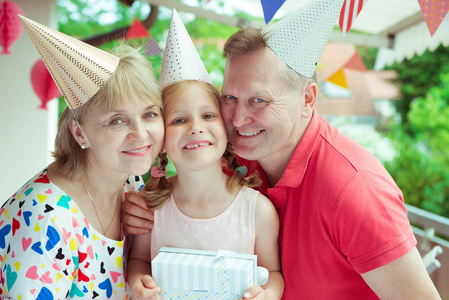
<point>96,212</point>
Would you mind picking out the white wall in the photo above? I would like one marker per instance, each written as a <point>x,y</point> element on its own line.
<point>27,132</point>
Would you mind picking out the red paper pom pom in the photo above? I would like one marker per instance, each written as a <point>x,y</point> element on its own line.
<point>10,25</point>
<point>43,84</point>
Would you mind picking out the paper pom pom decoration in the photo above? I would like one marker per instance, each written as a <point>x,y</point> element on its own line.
<point>10,25</point>
<point>43,84</point>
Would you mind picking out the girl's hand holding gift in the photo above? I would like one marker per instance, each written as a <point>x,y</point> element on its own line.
<point>145,288</point>
<point>255,292</point>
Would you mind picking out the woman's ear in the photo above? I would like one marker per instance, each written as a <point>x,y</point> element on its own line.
<point>310,93</point>
<point>77,133</point>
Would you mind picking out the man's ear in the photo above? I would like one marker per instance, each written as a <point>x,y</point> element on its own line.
<point>77,133</point>
<point>310,93</point>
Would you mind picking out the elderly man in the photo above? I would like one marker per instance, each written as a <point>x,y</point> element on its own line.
<point>344,229</point>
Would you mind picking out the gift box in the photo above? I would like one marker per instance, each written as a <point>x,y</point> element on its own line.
<point>198,274</point>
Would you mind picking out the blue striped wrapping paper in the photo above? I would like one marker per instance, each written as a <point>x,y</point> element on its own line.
<point>198,274</point>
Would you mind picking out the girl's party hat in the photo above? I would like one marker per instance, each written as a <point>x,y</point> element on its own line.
<point>299,38</point>
<point>78,69</point>
<point>181,60</point>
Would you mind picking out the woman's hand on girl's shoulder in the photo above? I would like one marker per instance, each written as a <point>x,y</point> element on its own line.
<point>136,217</point>
<point>145,288</point>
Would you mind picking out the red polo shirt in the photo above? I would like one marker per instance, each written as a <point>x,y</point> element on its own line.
<point>341,214</point>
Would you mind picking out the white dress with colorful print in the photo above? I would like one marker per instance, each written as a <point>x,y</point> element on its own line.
<point>49,250</point>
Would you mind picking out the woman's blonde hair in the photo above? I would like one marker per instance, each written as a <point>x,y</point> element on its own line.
<point>133,82</point>
<point>157,191</point>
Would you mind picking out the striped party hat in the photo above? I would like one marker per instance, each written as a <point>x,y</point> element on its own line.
<point>78,69</point>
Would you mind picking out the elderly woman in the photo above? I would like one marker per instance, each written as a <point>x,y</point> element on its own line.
<point>60,234</point>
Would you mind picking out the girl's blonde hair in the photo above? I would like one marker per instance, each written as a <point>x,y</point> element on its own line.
<point>132,83</point>
<point>157,191</point>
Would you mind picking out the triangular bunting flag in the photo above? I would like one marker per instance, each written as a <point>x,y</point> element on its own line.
<point>137,30</point>
<point>434,12</point>
<point>356,63</point>
<point>339,79</point>
<point>270,8</point>
<point>348,14</point>
<point>152,48</point>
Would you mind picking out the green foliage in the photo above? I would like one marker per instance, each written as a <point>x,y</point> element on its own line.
<point>421,169</point>
<point>87,18</point>
<point>418,75</point>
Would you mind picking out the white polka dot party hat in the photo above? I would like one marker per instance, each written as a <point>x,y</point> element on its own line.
<point>299,38</point>
<point>181,60</point>
<point>78,69</point>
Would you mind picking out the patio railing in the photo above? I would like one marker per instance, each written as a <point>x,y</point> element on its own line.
<point>432,230</point>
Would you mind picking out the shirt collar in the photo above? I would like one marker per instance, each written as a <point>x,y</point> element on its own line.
<point>297,166</point>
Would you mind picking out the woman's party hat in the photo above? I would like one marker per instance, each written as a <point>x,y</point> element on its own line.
<point>78,69</point>
<point>181,60</point>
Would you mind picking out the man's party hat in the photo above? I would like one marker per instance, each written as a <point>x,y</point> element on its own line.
<point>299,38</point>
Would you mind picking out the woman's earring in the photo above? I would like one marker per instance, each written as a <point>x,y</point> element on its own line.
<point>83,146</point>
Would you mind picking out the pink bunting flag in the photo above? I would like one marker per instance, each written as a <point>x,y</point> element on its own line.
<point>434,12</point>
<point>356,63</point>
<point>152,48</point>
<point>348,14</point>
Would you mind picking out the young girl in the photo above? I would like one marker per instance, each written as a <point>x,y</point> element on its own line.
<point>201,207</point>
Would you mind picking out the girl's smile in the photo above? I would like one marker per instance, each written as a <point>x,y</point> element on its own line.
<point>197,145</point>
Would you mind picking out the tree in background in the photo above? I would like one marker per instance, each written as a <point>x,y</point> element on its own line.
<point>417,75</point>
<point>421,166</point>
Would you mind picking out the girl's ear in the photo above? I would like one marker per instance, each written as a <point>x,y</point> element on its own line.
<point>77,133</point>
<point>310,93</point>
